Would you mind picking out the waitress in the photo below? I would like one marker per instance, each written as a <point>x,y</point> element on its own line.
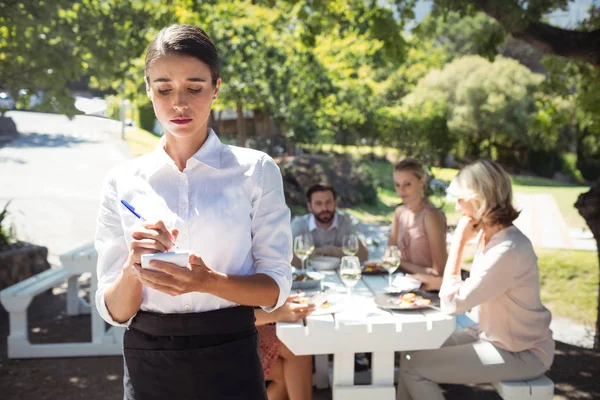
<point>191,332</point>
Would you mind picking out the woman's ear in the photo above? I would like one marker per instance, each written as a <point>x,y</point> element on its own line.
<point>217,88</point>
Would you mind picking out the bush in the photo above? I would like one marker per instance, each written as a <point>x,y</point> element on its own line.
<point>113,107</point>
<point>146,117</point>
<point>569,167</point>
<point>544,162</point>
<point>6,234</point>
<point>352,181</point>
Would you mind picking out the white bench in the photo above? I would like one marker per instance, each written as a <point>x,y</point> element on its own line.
<point>17,298</point>
<point>541,388</point>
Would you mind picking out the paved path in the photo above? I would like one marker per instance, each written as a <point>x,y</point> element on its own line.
<point>53,174</point>
<point>543,223</point>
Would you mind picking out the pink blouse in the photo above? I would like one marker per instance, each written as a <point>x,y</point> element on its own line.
<point>412,238</point>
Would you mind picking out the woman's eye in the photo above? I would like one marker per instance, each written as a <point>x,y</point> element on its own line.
<point>195,90</point>
<point>163,91</point>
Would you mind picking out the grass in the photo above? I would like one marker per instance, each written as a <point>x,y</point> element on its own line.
<point>140,141</point>
<point>569,282</point>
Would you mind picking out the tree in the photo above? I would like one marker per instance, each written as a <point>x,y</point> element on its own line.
<point>46,45</point>
<point>524,20</point>
<point>461,35</point>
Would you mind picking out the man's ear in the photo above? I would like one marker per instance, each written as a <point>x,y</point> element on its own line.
<point>309,207</point>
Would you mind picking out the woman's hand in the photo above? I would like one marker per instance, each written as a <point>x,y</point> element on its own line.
<point>428,282</point>
<point>291,311</point>
<point>175,280</point>
<point>466,229</point>
<point>151,237</point>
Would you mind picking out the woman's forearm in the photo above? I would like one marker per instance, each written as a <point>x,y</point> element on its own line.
<point>263,317</point>
<point>250,290</point>
<point>124,297</point>
<point>454,262</point>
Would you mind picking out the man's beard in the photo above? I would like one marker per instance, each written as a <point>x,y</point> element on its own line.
<point>325,217</point>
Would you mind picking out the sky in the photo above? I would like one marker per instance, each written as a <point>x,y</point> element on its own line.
<point>566,19</point>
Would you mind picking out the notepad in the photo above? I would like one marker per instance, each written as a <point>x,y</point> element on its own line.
<point>179,258</point>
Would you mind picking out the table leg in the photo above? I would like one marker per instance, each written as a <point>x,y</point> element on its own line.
<point>382,387</point>
<point>321,377</point>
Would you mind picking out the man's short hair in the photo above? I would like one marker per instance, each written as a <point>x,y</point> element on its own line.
<point>320,187</point>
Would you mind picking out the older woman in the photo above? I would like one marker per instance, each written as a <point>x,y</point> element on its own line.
<point>513,340</point>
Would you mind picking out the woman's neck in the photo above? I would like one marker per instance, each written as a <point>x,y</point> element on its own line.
<point>416,205</point>
<point>182,149</point>
<point>491,230</point>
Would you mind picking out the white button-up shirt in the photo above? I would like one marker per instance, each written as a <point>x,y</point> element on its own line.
<point>228,205</point>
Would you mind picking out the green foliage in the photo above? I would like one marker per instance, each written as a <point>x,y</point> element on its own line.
<point>460,35</point>
<point>45,45</point>
<point>146,117</point>
<point>491,105</point>
<point>6,233</point>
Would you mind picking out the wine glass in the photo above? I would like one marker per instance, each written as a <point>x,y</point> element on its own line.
<point>350,245</point>
<point>303,247</point>
<point>391,261</point>
<point>350,272</point>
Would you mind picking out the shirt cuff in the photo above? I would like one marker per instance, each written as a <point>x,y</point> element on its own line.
<point>105,314</point>
<point>449,289</point>
<point>285,285</point>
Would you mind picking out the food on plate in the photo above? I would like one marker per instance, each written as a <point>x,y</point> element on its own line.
<point>302,277</point>
<point>372,267</point>
<point>409,300</point>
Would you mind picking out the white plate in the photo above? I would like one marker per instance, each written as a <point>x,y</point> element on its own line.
<point>324,263</point>
<point>336,302</point>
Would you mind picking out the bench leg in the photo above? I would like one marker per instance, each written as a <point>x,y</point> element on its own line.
<point>18,324</point>
<point>73,295</point>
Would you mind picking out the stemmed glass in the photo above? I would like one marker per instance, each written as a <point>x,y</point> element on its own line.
<point>391,261</point>
<point>350,272</point>
<point>303,247</point>
<point>350,245</point>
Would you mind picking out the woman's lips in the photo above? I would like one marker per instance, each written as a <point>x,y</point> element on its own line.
<point>181,121</point>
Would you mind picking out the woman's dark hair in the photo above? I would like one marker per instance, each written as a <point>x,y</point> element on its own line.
<point>188,40</point>
<point>320,187</point>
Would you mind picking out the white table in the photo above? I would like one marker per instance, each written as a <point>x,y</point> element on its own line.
<point>362,327</point>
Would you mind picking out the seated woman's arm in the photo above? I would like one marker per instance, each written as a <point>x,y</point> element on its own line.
<point>289,312</point>
<point>493,275</point>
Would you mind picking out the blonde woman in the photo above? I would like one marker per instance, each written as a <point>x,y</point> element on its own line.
<point>513,340</point>
<point>418,228</point>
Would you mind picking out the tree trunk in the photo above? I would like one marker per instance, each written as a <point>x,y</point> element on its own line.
<point>241,125</point>
<point>588,205</point>
<point>577,45</point>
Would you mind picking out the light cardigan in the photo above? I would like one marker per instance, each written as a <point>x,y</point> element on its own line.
<point>504,284</point>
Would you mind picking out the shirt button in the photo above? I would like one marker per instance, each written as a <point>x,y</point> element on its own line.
<point>187,307</point>
<point>182,177</point>
<point>183,206</point>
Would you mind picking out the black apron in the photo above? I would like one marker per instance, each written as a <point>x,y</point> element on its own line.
<point>212,355</point>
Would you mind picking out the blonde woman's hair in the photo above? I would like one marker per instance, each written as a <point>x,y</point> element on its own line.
<point>411,165</point>
<point>489,186</point>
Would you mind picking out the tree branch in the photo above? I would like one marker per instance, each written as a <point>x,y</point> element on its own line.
<point>577,45</point>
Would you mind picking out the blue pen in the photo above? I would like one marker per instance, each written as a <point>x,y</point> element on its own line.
<point>132,209</point>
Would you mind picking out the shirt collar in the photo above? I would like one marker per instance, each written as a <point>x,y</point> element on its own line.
<point>209,154</point>
<point>312,223</point>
